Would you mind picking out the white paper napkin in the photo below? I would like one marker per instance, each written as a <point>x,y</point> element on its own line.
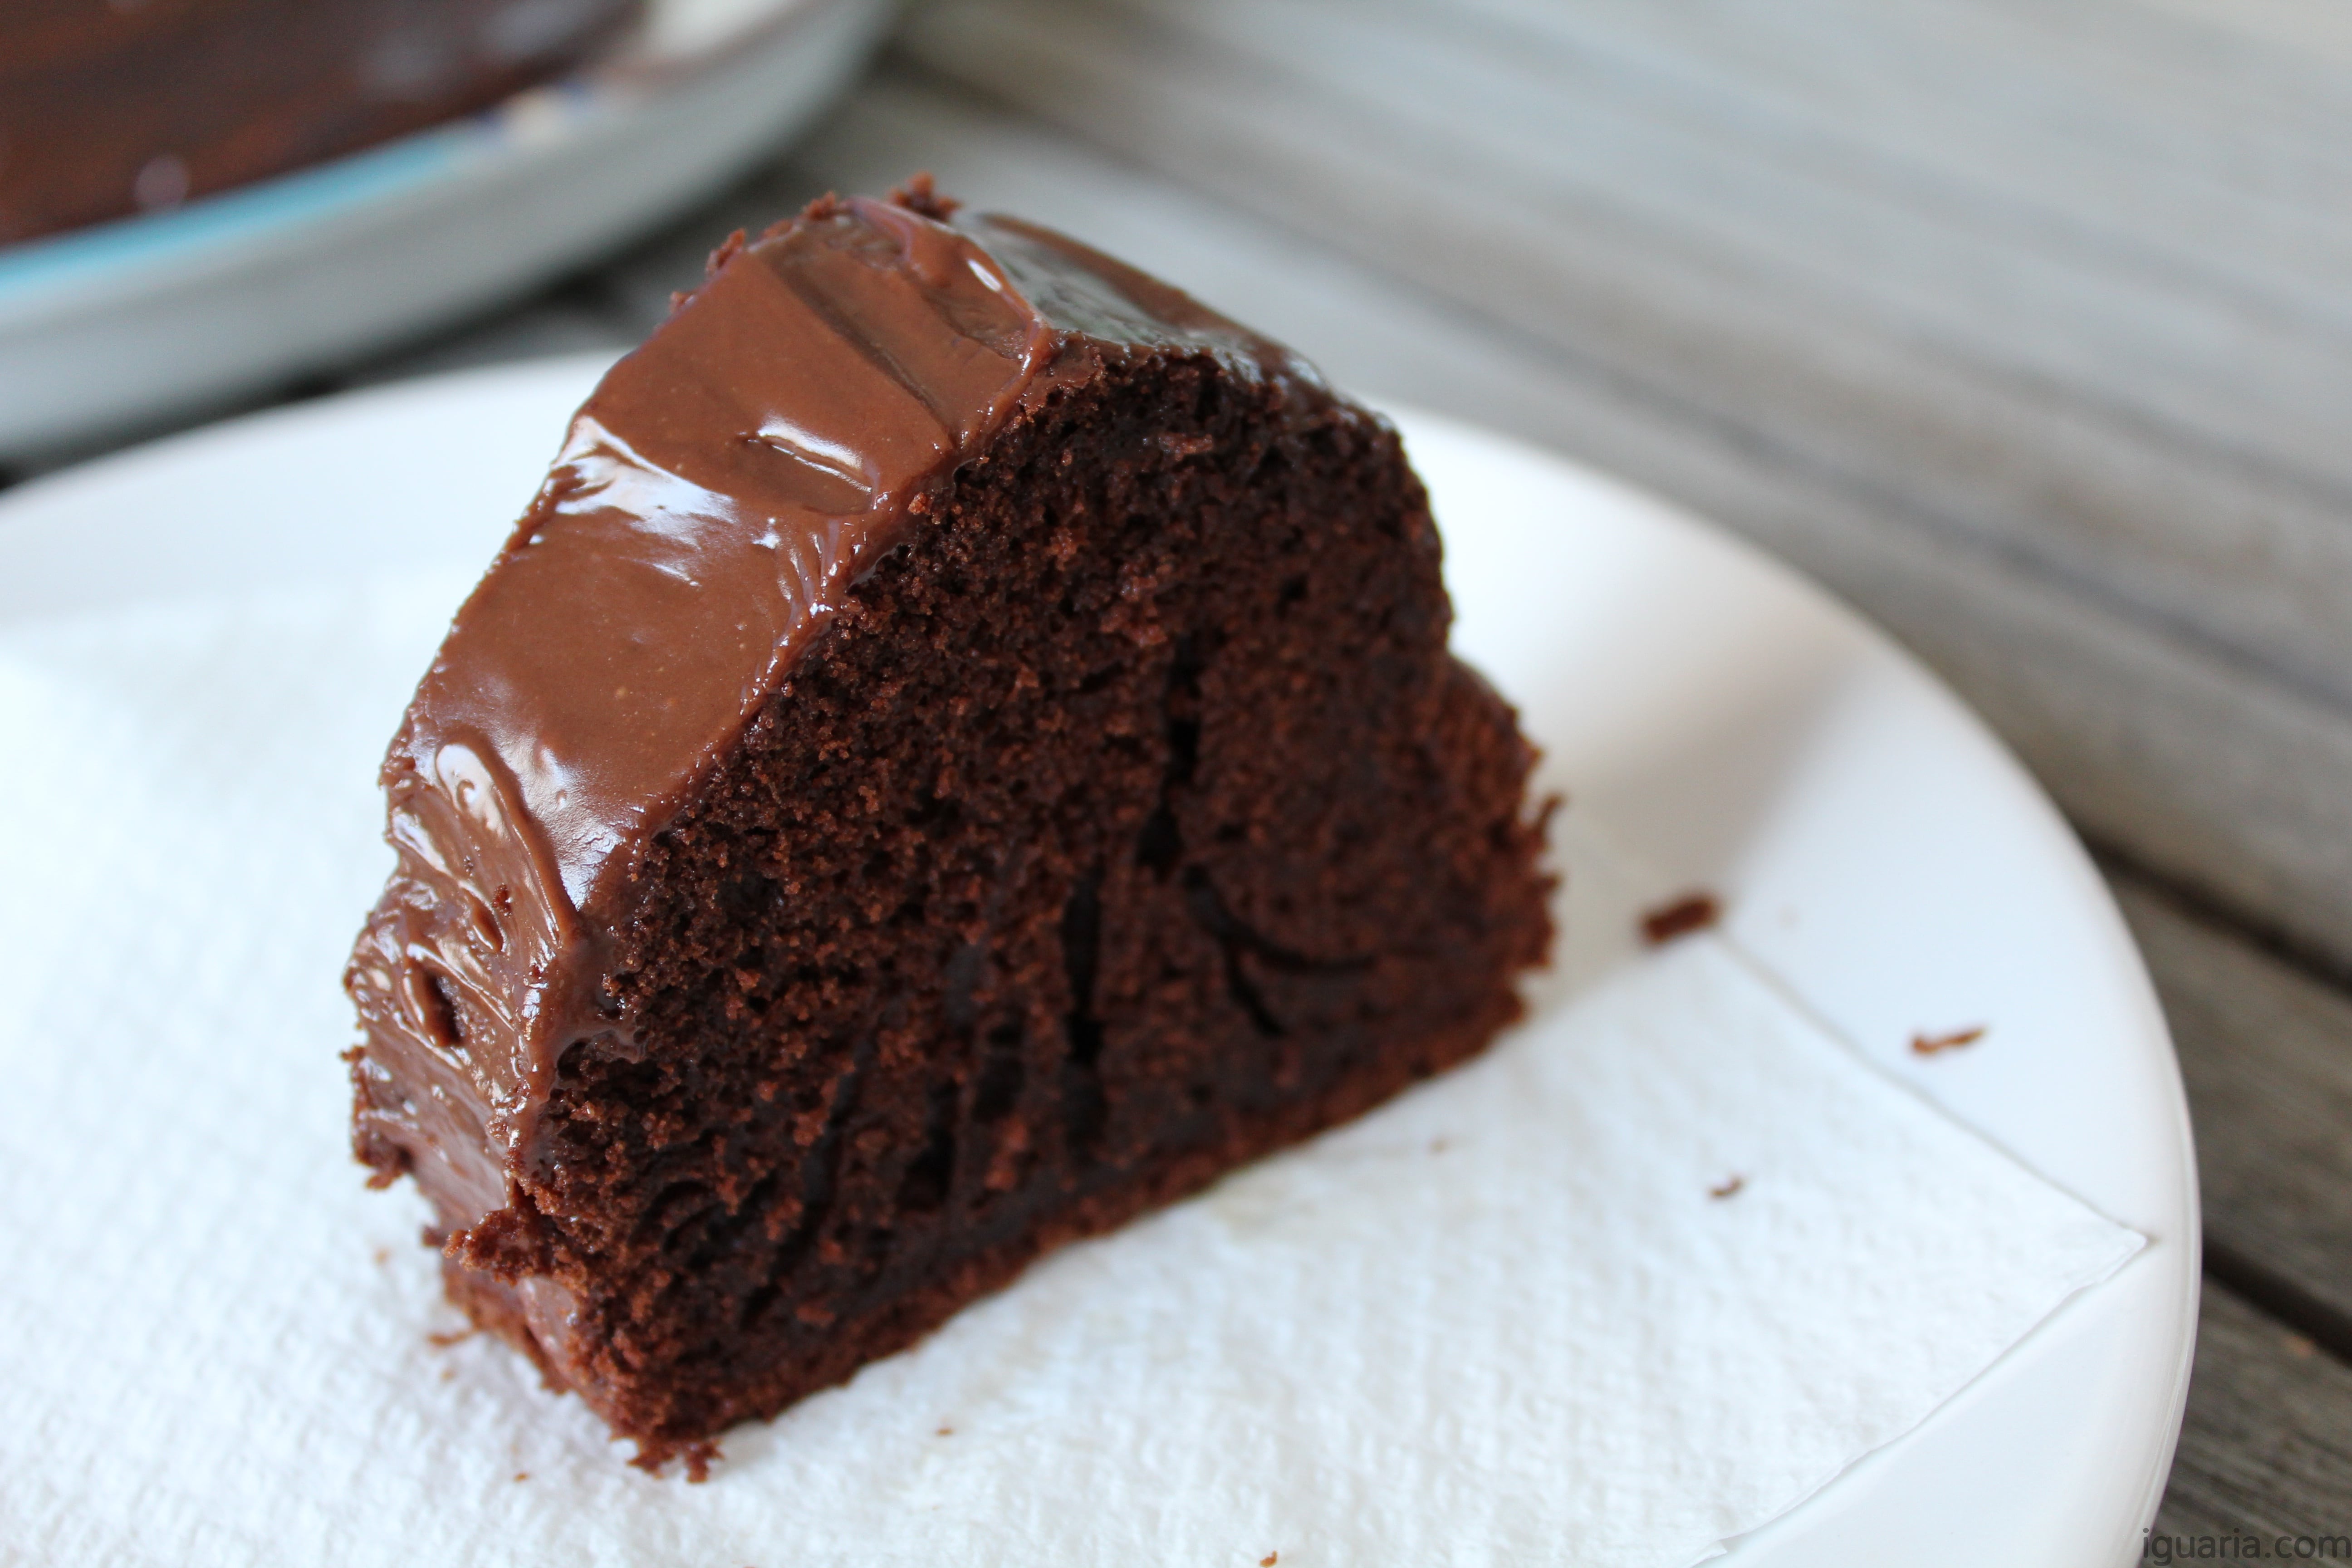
<point>1507,1319</point>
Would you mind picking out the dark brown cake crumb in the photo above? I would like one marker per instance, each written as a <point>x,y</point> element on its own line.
<point>1729,1188</point>
<point>1929,1044</point>
<point>1691,912</point>
<point>921,195</point>
<point>729,248</point>
<point>655,1453</point>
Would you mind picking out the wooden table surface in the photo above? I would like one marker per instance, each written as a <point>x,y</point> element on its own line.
<point>2024,325</point>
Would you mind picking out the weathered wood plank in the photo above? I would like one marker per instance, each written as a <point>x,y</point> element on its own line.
<point>2266,1053</point>
<point>1773,155</point>
<point>2196,764</point>
<point>2169,127</point>
<point>2266,1449</point>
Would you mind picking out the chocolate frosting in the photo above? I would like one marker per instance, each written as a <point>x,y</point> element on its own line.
<point>718,493</point>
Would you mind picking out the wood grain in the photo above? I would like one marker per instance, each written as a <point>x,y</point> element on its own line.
<point>2266,1054</point>
<point>2266,1448</point>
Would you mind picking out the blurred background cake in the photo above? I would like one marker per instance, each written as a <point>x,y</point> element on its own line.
<point>112,107</point>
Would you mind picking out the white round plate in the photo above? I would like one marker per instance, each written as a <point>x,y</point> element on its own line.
<point>105,327</point>
<point>1872,843</point>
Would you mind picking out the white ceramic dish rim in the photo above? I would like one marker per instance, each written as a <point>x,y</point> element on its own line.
<point>104,534</point>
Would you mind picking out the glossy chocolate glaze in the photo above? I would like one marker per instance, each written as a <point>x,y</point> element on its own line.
<point>717,496</point>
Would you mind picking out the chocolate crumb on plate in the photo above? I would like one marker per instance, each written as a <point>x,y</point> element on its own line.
<point>1729,1188</point>
<point>1928,1045</point>
<point>1691,912</point>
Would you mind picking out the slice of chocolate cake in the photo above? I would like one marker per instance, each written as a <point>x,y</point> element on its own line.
<point>961,750</point>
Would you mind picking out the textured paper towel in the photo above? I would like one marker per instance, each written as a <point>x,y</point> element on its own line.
<point>1502,1320</point>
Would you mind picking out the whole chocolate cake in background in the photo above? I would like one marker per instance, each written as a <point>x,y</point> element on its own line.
<point>112,107</point>
<point>961,750</point>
